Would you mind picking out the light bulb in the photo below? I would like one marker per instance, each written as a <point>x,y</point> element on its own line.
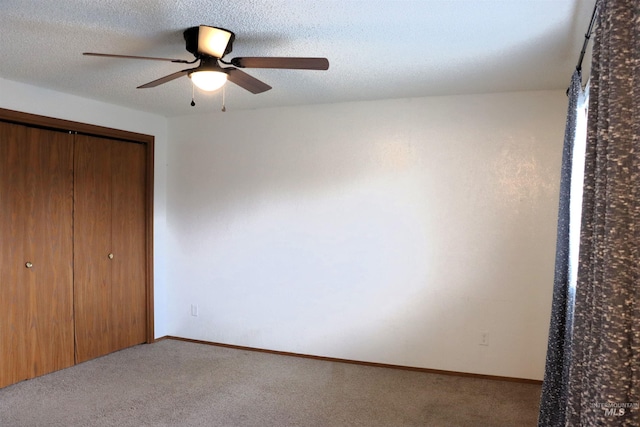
<point>213,41</point>
<point>208,80</point>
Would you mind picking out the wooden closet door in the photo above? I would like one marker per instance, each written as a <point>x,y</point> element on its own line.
<point>36,304</point>
<point>14,294</point>
<point>49,232</point>
<point>128,219</point>
<point>109,242</point>
<point>92,246</point>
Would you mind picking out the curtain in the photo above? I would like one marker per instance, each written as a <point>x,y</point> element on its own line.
<point>603,386</point>
<point>554,392</point>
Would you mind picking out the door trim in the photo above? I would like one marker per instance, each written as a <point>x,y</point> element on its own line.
<point>101,131</point>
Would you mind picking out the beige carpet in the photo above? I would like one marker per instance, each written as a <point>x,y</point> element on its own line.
<point>174,383</point>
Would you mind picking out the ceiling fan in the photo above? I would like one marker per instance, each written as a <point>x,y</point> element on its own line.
<point>209,45</point>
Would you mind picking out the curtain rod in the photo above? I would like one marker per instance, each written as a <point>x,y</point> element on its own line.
<point>587,36</point>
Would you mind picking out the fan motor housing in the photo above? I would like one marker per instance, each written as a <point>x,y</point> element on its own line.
<point>191,36</point>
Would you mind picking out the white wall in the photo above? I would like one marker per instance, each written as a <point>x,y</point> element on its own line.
<point>391,231</point>
<point>35,100</point>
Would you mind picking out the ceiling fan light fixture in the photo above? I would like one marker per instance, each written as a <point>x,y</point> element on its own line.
<point>213,41</point>
<point>209,45</point>
<point>208,80</point>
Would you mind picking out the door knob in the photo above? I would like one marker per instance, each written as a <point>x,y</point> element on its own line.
<point>110,256</point>
<point>28,265</point>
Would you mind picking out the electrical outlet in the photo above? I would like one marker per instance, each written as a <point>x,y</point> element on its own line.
<point>194,310</point>
<point>484,338</point>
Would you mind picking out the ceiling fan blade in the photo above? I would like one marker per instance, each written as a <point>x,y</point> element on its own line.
<point>246,81</point>
<point>151,58</point>
<point>282,62</point>
<point>166,79</point>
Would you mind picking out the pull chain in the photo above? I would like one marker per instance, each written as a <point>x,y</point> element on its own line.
<point>193,95</point>
<point>223,96</point>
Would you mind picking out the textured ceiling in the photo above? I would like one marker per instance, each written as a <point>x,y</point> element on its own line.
<point>377,48</point>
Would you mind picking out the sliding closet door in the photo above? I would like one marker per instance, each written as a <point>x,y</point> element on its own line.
<point>109,246</point>
<point>36,278</point>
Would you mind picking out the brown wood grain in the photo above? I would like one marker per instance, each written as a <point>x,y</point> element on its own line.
<point>110,218</point>
<point>128,234</point>
<point>50,248</point>
<point>149,219</point>
<point>13,294</point>
<point>88,129</point>
<point>71,126</point>
<point>32,225</point>
<point>36,311</point>
<point>92,244</point>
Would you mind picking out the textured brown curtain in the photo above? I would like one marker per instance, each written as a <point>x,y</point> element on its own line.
<point>604,374</point>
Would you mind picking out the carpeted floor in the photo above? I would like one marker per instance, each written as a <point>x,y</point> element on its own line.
<point>175,383</point>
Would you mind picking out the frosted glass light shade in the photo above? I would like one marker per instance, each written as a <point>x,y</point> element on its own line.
<point>208,80</point>
<point>213,41</point>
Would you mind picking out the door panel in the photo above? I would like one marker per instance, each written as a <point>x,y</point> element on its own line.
<point>36,311</point>
<point>67,202</point>
<point>92,245</point>
<point>128,234</point>
<point>13,274</point>
<point>49,232</point>
<point>110,218</point>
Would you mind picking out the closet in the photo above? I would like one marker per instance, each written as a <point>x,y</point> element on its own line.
<point>75,244</point>
<point>108,245</point>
